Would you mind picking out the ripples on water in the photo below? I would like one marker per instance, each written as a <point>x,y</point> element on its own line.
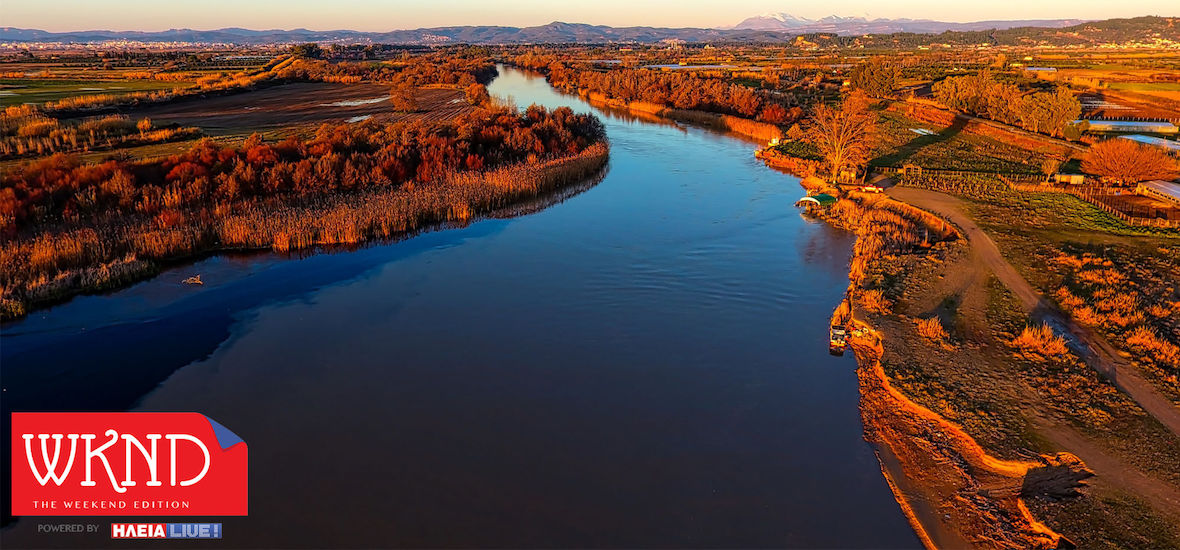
<point>642,365</point>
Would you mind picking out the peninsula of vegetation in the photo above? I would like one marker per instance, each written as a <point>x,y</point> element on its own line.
<point>1012,304</point>
<point>72,225</point>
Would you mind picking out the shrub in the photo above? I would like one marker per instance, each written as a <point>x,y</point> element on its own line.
<point>1127,162</point>
<point>1040,342</point>
<point>1161,352</point>
<point>932,330</point>
<point>875,301</point>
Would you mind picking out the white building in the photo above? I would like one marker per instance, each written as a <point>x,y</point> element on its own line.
<point>1166,191</point>
<point>1145,126</point>
<point>1171,146</point>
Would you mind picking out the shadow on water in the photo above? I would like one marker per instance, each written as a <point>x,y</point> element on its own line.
<point>83,376</point>
<point>645,366</point>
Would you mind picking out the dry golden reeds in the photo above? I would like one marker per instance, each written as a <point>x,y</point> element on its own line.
<point>1040,342</point>
<point>932,330</point>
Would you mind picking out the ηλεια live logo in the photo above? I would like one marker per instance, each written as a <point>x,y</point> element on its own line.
<point>127,464</point>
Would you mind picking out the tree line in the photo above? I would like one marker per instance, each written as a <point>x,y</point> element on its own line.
<point>1050,112</point>
<point>676,89</point>
<point>340,157</point>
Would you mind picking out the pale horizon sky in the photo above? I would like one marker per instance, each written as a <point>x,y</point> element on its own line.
<point>386,15</point>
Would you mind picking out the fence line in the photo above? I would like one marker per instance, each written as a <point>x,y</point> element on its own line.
<point>1101,197</point>
<point>1175,121</point>
<point>918,171</point>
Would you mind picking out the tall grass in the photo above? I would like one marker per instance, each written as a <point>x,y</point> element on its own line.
<point>27,131</point>
<point>1132,304</point>
<point>59,263</point>
<point>932,330</point>
<point>1040,342</point>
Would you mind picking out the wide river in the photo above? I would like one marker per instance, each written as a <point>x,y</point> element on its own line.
<point>641,365</point>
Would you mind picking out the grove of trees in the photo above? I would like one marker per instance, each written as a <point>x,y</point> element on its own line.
<point>340,157</point>
<point>982,95</point>
<point>677,89</point>
<point>876,77</point>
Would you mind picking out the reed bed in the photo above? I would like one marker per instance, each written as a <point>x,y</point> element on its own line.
<point>27,132</point>
<point>884,226</point>
<point>57,264</point>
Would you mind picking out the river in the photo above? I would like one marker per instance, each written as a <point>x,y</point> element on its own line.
<point>643,364</point>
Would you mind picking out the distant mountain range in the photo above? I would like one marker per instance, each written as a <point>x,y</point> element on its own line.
<point>833,31</point>
<point>862,25</point>
<point>555,32</point>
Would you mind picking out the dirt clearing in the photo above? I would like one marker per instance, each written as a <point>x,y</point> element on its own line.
<point>301,104</point>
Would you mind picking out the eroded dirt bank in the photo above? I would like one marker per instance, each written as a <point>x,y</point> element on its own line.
<point>953,491</point>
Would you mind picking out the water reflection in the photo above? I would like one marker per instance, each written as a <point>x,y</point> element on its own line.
<point>642,365</point>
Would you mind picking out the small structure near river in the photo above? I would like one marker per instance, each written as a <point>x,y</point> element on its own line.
<point>818,200</point>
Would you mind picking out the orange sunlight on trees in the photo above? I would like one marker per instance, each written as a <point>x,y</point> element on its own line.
<point>844,136</point>
<point>1128,163</point>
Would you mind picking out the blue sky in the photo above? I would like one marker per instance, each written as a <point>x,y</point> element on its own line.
<point>380,15</point>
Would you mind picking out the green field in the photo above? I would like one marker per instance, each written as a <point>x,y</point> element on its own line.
<point>17,91</point>
<point>947,149</point>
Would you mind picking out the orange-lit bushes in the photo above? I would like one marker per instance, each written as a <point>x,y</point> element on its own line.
<point>1119,300</point>
<point>674,89</point>
<point>1146,341</point>
<point>1039,342</point>
<point>74,226</point>
<point>932,330</point>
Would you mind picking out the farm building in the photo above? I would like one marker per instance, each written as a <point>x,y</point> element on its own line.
<point>1144,126</point>
<point>1172,147</point>
<point>1070,179</point>
<point>1161,190</point>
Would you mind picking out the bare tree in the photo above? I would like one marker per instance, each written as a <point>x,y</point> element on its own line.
<point>844,135</point>
<point>1128,163</point>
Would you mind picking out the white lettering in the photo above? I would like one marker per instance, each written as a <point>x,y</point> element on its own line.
<point>204,449</point>
<point>50,465</point>
<point>151,459</point>
<point>91,454</point>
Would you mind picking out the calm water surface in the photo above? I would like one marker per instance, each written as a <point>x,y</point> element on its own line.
<point>641,365</point>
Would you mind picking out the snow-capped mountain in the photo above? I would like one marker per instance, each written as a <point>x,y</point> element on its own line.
<point>855,25</point>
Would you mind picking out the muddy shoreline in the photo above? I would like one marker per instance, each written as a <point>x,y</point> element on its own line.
<point>953,493</point>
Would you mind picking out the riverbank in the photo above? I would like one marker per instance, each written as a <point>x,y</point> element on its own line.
<point>725,123</point>
<point>641,379</point>
<point>931,463</point>
<point>342,219</point>
<point>966,432</point>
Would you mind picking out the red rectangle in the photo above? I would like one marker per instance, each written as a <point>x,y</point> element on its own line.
<point>130,464</point>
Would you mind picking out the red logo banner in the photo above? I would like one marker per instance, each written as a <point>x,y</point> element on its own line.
<point>126,464</point>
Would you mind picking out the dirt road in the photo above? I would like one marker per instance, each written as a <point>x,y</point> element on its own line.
<point>1098,353</point>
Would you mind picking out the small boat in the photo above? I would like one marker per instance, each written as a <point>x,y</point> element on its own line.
<point>194,280</point>
<point>837,339</point>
